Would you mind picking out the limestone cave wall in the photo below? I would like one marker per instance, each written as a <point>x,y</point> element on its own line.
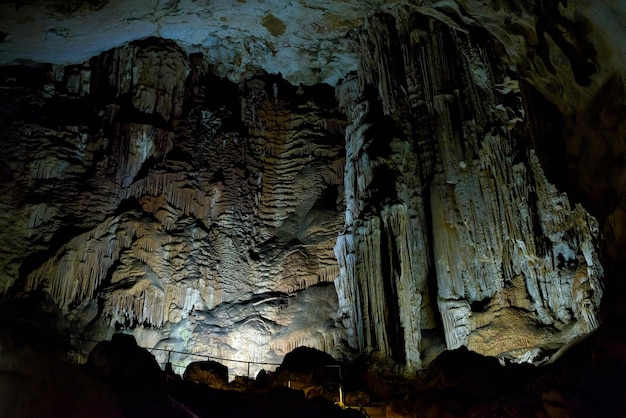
<point>142,193</point>
<point>416,206</point>
<point>451,223</point>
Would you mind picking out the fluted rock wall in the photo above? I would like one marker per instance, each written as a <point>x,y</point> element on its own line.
<point>450,221</point>
<point>144,194</point>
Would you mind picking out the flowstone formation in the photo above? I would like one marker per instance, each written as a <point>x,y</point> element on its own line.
<point>144,194</point>
<point>450,221</point>
<point>173,189</point>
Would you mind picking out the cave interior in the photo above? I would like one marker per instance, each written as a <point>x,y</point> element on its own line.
<point>356,208</point>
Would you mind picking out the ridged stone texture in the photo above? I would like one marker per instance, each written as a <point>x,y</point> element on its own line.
<point>236,179</point>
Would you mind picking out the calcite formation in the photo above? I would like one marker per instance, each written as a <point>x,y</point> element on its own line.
<point>202,190</point>
<point>181,212</point>
<point>450,221</point>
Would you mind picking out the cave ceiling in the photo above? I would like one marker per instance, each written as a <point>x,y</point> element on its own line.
<point>306,41</point>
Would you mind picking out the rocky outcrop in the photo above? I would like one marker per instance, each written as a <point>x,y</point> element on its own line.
<point>210,373</point>
<point>465,384</point>
<point>450,220</point>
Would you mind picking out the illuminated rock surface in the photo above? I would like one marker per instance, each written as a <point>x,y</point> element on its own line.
<point>204,233</point>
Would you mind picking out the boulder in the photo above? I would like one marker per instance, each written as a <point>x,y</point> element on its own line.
<point>122,362</point>
<point>133,374</point>
<point>210,373</point>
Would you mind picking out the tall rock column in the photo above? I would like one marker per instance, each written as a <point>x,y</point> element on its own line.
<point>384,258</point>
<point>445,197</point>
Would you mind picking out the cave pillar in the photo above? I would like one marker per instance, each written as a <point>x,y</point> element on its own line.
<point>446,203</point>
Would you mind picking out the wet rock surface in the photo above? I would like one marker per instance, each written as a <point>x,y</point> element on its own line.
<point>208,217</point>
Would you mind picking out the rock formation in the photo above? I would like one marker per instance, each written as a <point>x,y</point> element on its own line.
<point>468,231</point>
<point>181,189</point>
<point>179,211</point>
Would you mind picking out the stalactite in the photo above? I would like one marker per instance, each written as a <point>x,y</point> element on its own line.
<point>48,168</point>
<point>350,303</point>
<point>174,188</point>
<point>289,142</point>
<point>191,218</point>
<point>152,72</point>
<point>409,281</point>
<point>455,316</point>
<point>328,274</point>
<point>79,266</point>
<point>142,304</point>
<point>137,143</point>
<point>319,341</point>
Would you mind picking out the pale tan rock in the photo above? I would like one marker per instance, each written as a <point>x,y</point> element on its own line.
<point>178,222</point>
<point>483,217</point>
<point>199,232</point>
